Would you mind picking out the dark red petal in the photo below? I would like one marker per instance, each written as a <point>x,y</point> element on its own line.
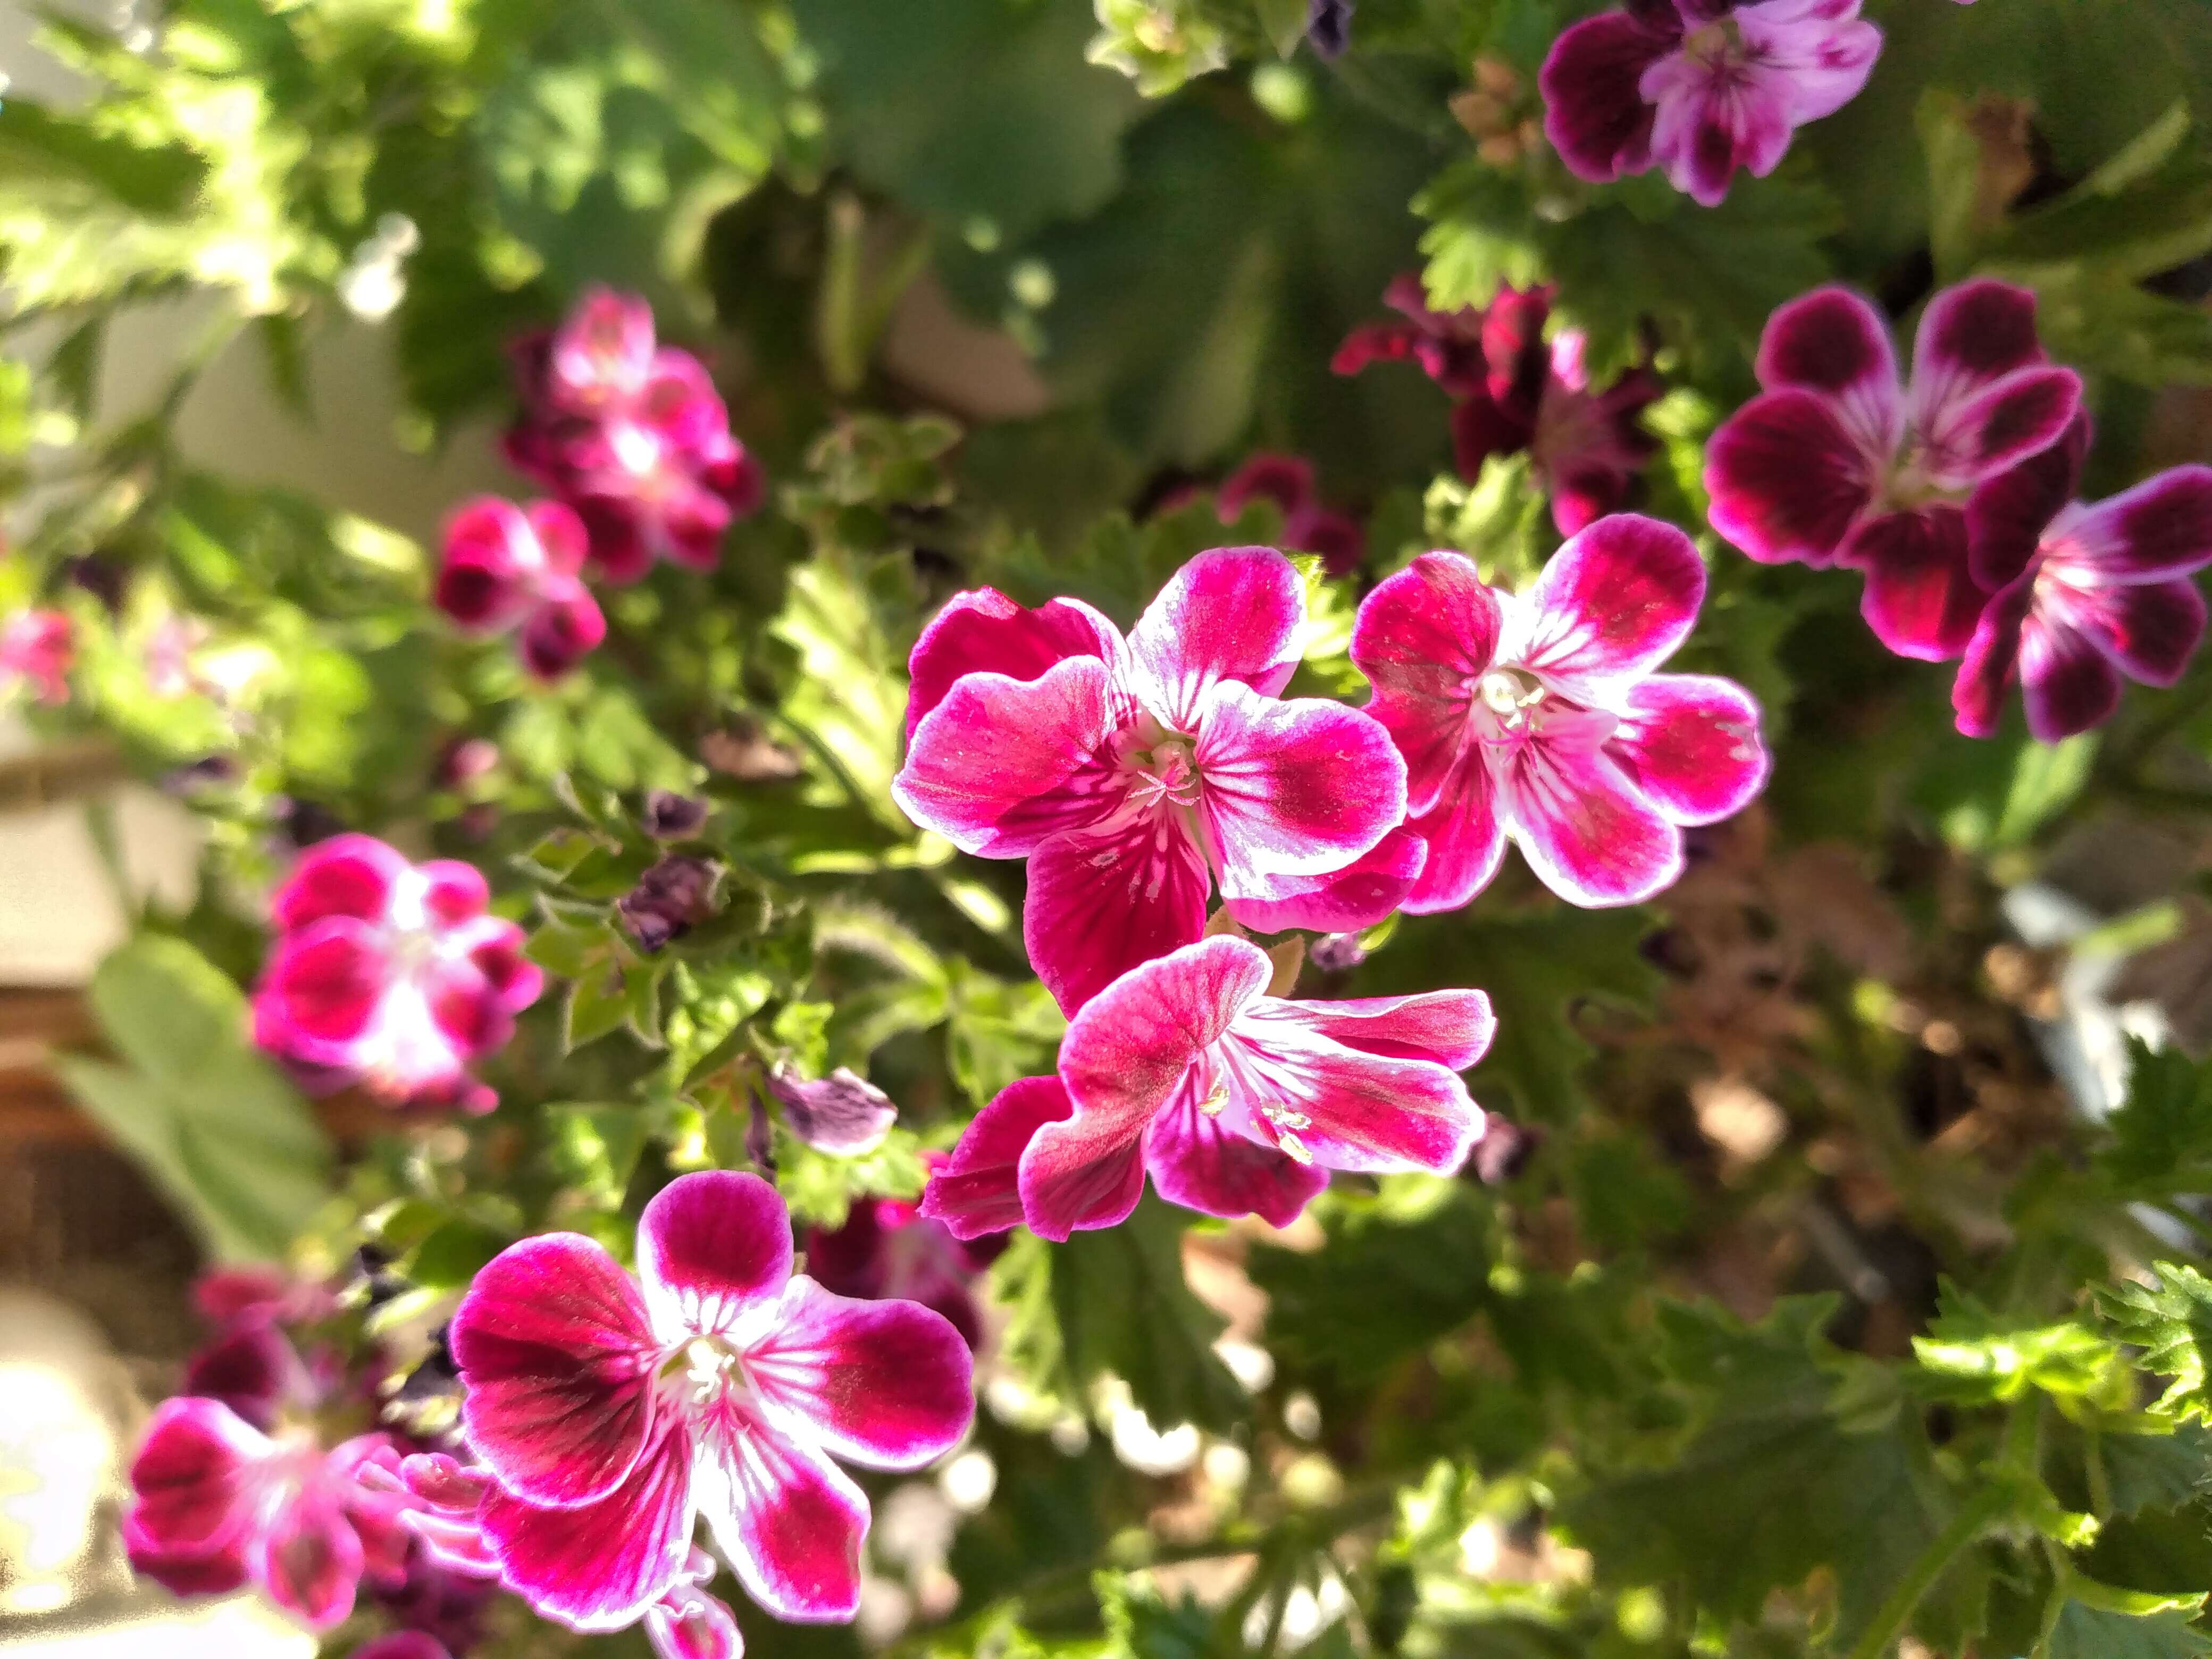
<point>1594,110</point>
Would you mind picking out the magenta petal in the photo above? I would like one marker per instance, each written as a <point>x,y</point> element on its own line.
<point>1594,109</point>
<point>1612,604</point>
<point>983,631</point>
<point>1451,1028</point>
<point>1971,334</point>
<point>1788,477</point>
<point>2001,425</point>
<point>553,1343</point>
<point>1991,667</point>
<point>309,1560</point>
<point>483,583</point>
<point>1584,828</point>
<point>1359,895</point>
<point>1101,903</point>
<point>885,1384</point>
<point>349,875</point>
<point>1834,342</point>
<point>1690,743</point>
<point>2150,630</point>
<point>1366,1113</point>
<point>1423,636</point>
<point>710,1246</point>
<point>688,1624</point>
<point>192,1477</point>
<point>1001,764</point>
<point>597,1566</point>
<point>2007,515</point>
<point>2160,528</point>
<point>1291,788</point>
<point>1921,599</point>
<point>1198,1163</point>
<point>322,986</point>
<point>1232,613</point>
<point>2068,684</point>
<point>1285,480</point>
<point>254,1369</point>
<point>1077,1175</point>
<point>788,1520</point>
<point>561,633</point>
<point>1465,835</point>
<point>977,1191</point>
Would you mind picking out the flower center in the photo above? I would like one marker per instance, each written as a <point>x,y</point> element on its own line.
<point>703,1371</point>
<point>1513,697</point>
<point>1161,767</point>
<point>1716,47</point>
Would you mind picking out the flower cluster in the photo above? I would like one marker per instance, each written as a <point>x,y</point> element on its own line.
<point>390,975</point>
<point>509,567</point>
<point>1512,390</point>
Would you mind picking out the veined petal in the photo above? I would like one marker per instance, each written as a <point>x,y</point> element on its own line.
<point>887,1384</point>
<point>1197,1163</point>
<point>2150,630</point>
<point>1705,127</point>
<point>1232,614</point>
<point>1690,743</point>
<point>597,1566</point>
<point>1451,1028</point>
<point>1101,903</point>
<point>2007,515</point>
<point>1586,830</point>
<point>712,1247</point>
<point>1821,51</point>
<point>1343,901</point>
<point>191,1477</point>
<point>1594,112</point>
<point>1465,837</point>
<point>2002,424</point>
<point>553,1344</point>
<point>1001,764</point>
<point>2161,528</point>
<point>690,1624</point>
<point>1611,606</point>
<point>1423,637</point>
<point>787,1519</point>
<point>1991,667</point>
<point>349,875</point>
<point>1970,336</point>
<point>1348,1110</point>
<point>2067,684</point>
<point>1921,599</point>
<point>983,631</point>
<point>978,1190</point>
<point>1789,477</point>
<point>1291,788</point>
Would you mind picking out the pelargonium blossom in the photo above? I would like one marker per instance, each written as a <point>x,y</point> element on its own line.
<point>610,1409</point>
<point>633,435</point>
<point>1237,1103</point>
<point>36,650</point>
<point>889,1248</point>
<point>1837,461</point>
<point>515,568</point>
<point>1539,717</point>
<point>218,1504</point>
<point>390,973</point>
<point>2083,593</point>
<point>250,1363</point>
<point>1513,390</point>
<point>1700,88</point>
<point>1307,526</point>
<point>1136,773</point>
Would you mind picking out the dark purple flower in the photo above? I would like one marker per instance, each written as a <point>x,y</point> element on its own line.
<point>675,894</point>
<point>1328,26</point>
<point>671,817</point>
<point>841,1113</point>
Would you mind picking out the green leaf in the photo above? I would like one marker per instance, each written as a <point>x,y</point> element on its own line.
<point>2162,1136</point>
<point>2172,1323</point>
<point>2086,1632</point>
<point>1972,1356</point>
<point>596,1147</point>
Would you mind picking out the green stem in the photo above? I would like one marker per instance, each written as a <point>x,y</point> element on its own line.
<point>1966,1527</point>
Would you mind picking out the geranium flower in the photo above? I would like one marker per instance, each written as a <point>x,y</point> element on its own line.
<point>611,1410</point>
<point>1837,461</point>
<point>633,435</point>
<point>1538,718</point>
<point>889,1248</point>
<point>36,650</point>
<point>1134,774</point>
<point>391,974</point>
<point>1512,390</point>
<point>1307,526</point>
<point>2084,592</point>
<point>217,1503</point>
<point>508,567</point>
<point>1237,1101</point>
<point>1700,88</point>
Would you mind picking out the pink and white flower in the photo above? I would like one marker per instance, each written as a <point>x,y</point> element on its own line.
<point>1237,1101</point>
<point>1538,717</point>
<point>1837,461</point>
<point>634,436</point>
<point>1134,773</point>
<point>2083,593</point>
<point>217,1504</point>
<point>1513,390</point>
<point>390,973</point>
<point>509,567</point>
<point>1307,526</point>
<point>36,650</point>
<point>611,1410</point>
<point>1700,88</point>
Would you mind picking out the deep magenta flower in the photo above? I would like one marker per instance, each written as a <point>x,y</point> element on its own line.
<point>1134,773</point>
<point>1513,390</point>
<point>1307,526</point>
<point>217,1504</point>
<point>611,1410</point>
<point>1838,462</point>
<point>1237,1101</point>
<point>633,435</point>
<point>1538,717</point>
<point>36,650</point>
<point>2084,592</point>
<point>889,1248</point>
<point>509,567</point>
<point>1700,88</point>
<point>391,974</point>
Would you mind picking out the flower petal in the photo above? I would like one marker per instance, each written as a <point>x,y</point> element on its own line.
<point>1291,788</point>
<point>2001,426</point>
<point>2068,684</point>
<point>321,988</point>
<point>1451,1028</point>
<point>978,1190</point>
<point>597,1566</point>
<point>1466,840</point>
<point>1921,599</point>
<point>1101,903</point>
<point>688,1624</point>
<point>1970,336</point>
<point>1232,613</point>
<point>710,1247</point>
<point>1834,343</point>
<point>1991,667</point>
<point>2150,630</point>
<point>885,1384</point>
<point>553,1344</point>
<point>309,1560</point>
<point>1197,1163</point>
<point>2160,528</point>
<point>1586,831</point>
<point>1422,636</point>
<point>2007,515</point>
<point>349,875</point>
<point>561,633</point>
<point>787,1519</point>
<point>1612,604</point>
<point>1362,1112</point>
<point>1359,895</point>
<point>1594,109</point>
<point>1788,477</point>
<point>1690,743</point>
<point>191,1477</point>
<point>983,631</point>
<point>253,1369</point>
<point>1001,764</point>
